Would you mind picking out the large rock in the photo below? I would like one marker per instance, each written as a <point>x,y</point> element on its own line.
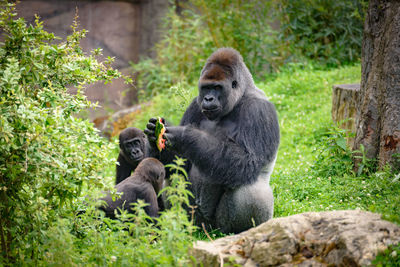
<point>334,238</point>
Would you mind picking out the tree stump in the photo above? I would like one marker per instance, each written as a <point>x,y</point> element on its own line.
<point>344,107</point>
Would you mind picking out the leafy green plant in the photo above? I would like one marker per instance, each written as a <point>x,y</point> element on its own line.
<point>46,155</point>
<point>245,26</point>
<point>178,59</point>
<point>334,156</point>
<point>329,32</point>
<point>365,165</point>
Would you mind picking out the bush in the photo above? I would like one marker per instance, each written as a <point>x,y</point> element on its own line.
<point>329,32</point>
<point>180,54</point>
<point>334,157</point>
<point>245,26</point>
<point>46,155</point>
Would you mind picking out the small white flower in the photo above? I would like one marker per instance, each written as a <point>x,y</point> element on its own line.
<point>113,258</point>
<point>393,254</point>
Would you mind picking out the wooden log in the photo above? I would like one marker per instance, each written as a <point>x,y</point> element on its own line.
<point>344,107</point>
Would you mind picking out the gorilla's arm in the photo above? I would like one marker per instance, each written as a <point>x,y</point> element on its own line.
<point>149,196</point>
<point>230,161</point>
<point>131,193</point>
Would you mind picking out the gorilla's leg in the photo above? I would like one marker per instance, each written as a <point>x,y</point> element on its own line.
<point>245,207</point>
<point>206,198</point>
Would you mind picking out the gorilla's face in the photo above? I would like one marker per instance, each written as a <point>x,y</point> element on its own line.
<point>218,92</point>
<point>211,99</point>
<point>133,149</point>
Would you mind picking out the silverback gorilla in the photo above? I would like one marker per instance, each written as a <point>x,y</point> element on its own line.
<point>145,183</point>
<point>230,136</point>
<point>133,146</point>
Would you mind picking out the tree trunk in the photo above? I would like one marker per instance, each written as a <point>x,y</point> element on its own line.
<point>378,109</point>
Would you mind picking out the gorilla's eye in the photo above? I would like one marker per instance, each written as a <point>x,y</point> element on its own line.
<point>234,84</point>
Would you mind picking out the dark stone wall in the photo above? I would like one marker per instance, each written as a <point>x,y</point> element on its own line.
<point>126,30</point>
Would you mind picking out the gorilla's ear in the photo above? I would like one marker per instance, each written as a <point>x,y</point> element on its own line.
<point>234,84</point>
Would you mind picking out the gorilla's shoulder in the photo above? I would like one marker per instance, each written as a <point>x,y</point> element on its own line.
<point>192,114</point>
<point>256,102</point>
<point>135,186</point>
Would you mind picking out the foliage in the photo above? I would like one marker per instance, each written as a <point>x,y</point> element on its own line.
<point>334,157</point>
<point>180,54</point>
<point>46,155</point>
<point>326,31</point>
<point>245,26</point>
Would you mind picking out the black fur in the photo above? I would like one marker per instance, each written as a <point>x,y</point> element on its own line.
<point>230,135</point>
<point>145,183</point>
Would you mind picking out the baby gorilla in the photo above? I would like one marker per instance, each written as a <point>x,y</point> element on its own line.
<point>145,183</point>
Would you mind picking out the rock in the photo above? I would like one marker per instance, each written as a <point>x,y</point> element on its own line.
<point>344,107</point>
<point>333,238</point>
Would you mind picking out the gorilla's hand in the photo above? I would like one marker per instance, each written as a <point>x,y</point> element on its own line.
<point>174,135</point>
<point>150,131</point>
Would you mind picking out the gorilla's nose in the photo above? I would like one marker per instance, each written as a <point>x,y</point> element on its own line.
<point>208,98</point>
<point>209,103</point>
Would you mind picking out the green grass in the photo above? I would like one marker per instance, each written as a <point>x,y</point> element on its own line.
<point>312,172</point>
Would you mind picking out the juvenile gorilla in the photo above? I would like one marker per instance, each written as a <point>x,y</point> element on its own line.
<point>133,146</point>
<point>230,136</point>
<point>145,183</point>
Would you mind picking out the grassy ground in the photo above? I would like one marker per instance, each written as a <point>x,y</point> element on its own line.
<point>313,171</point>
